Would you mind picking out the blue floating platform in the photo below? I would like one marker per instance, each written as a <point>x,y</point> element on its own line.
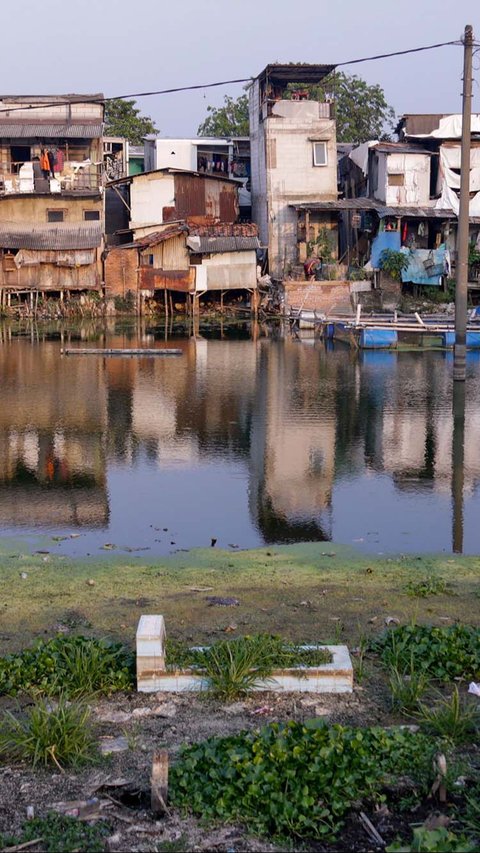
<point>473,339</point>
<point>378,339</point>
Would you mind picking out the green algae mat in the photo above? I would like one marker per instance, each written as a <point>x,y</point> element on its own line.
<point>311,591</point>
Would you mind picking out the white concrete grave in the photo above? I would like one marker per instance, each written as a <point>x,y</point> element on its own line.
<point>152,675</point>
<point>150,652</point>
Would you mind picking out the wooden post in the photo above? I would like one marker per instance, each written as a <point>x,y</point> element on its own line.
<point>159,782</point>
<point>165,295</point>
<point>221,302</point>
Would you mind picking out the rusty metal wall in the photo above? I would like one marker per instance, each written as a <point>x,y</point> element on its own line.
<point>153,279</point>
<point>196,196</point>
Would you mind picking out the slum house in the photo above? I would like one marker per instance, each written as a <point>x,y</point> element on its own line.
<point>294,157</point>
<point>51,194</point>
<point>185,261</point>
<point>405,197</point>
<point>172,206</point>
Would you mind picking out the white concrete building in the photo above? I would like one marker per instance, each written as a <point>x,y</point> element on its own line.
<point>294,155</point>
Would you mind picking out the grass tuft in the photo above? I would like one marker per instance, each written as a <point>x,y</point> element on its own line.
<point>58,735</point>
<point>455,718</point>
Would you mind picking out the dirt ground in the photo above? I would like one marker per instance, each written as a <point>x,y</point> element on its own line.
<point>148,722</point>
<point>313,592</point>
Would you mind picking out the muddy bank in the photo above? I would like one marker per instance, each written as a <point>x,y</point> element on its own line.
<point>311,591</point>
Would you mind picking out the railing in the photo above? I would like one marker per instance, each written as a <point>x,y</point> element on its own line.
<point>76,177</point>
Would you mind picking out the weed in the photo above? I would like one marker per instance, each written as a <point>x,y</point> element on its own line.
<point>70,665</point>
<point>429,585</point>
<point>443,653</point>
<point>407,689</point>
<point>61,834</point>
<point>439,840</point>
<point>234,667</point>
<point>359,661</point>
<point>454,718</point>
<point>296,780</point>
<point>60,735</point>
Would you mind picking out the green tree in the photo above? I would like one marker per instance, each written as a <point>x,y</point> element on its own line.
<point>361,110</point>
<point>229,120</point>
<point>122,118</point>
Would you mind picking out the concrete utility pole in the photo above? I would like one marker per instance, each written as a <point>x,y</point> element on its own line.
<point>459,359</point>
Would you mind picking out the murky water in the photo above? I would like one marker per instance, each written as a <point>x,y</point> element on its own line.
<point>247,441</point>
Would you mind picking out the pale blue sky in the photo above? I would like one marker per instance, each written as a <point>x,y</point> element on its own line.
<point>120,47</point>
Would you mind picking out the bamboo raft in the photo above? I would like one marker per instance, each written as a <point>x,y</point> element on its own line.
<point>120,352</point>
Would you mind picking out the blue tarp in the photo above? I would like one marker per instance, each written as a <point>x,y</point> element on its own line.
<point>378,338</point>
<point>383,240</point>
<point>416,272</point>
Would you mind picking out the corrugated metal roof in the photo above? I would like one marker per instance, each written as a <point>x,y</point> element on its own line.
<point>58,236</point>
<point>293,72</point>
<point>378,207</point>
<point>27,130</point>
<point>214,245</point>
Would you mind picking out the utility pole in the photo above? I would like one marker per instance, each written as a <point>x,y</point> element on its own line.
<point>459,358</point>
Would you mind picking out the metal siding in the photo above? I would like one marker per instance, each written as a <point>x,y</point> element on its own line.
<point>21,130</point>
<point>57,237</point>
<point>182,281</point>
<point>211,245</point>
<point>190,192</point>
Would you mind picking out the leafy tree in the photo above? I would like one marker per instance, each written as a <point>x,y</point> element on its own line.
<point>229,120</point>
<point>361,110</point>
<point>122,118</point>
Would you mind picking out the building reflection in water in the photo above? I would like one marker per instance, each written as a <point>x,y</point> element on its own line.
<point>302,422</point>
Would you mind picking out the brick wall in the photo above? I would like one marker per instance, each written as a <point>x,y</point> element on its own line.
<point>121,272</point>
<point>325,296</point>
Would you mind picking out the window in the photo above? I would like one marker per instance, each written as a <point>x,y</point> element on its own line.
<point>397,180</point>
<point>55,215</point>
<point>91,215</point>
<point>319,153</point>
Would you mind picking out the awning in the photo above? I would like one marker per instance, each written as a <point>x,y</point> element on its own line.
<point>56,236</point>
<point>24,130</point>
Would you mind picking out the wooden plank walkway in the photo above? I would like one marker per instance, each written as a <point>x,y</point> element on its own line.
<point>127,352</point>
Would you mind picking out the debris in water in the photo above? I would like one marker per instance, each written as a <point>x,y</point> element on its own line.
<point>213,542</point>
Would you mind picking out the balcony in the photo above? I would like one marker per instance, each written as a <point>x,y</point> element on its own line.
<point>77,177</point>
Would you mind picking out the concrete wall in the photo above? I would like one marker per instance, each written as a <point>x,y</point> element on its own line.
<point>149,194</point>
<point>283,171</point>
<point>177,153</point>
<point>34,208</point>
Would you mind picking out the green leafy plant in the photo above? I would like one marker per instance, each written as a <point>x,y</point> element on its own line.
<point>59,734</point>
<point>71,665</point>
<point>473,254</point>
<point>393,263</point>
<point>443,653</point>
<point>439,840</point>
<point>454,718</point>
<point>294,779</point>
<point>407,689</point>
<point>429,585</point>
<point>60,833</point>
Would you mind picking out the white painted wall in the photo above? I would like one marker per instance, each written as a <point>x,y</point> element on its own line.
<point>416,171</point>
<point>149,194</point>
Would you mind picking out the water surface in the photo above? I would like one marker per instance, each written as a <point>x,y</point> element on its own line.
<point>246,440</point>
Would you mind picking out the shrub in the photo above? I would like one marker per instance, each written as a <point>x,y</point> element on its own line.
<point>61,833</point>
<point>453,718</point>
<point>45,734</point>
<point>443,653</point>
<point>393,263</point>
<point>295,779</point>
<point>71,665</point>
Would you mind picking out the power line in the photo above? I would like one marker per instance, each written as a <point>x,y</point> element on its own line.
<point>222,82</point>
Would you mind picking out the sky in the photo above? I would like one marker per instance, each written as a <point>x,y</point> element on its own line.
<point>119,47</point>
